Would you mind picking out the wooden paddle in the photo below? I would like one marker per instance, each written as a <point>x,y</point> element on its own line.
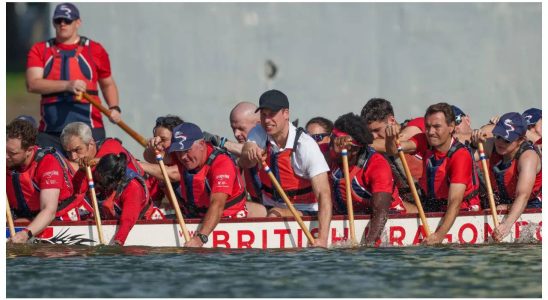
<point>488,183</point>
<point>139,138</point>
<point>171,196</point>
<point>96,211</point>
<point>413,188</point>
<point>349,205</point>
<point>9,217</point>
<point>288,202</point>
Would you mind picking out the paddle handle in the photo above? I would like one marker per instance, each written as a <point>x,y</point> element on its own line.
<point>96,211</point>
<point>139,138</point>
<point>172,198</point>
<point>287,202</point>
<point>9,217</point>
<point>488,183</point>
<point>349,205</point>
<point>413,188</point>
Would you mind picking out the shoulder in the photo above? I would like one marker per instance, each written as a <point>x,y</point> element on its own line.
<point>461,154</point>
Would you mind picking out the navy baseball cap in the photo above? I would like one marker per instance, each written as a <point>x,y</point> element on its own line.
<point>27,118</point>
<point>184,136</point>
<point>66,11</point>
<point>274,100</point>
<point>458,114</point>
<point>510,126</point>
<point>532,115</point>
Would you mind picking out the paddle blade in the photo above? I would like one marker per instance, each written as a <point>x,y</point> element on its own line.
<point>258,136</point>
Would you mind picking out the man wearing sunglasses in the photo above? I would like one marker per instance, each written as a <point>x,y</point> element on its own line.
<point>515,168</point>
<point>447,181</point>
<point>63,67</point>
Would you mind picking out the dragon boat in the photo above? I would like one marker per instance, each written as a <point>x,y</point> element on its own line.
<point>281,233</point>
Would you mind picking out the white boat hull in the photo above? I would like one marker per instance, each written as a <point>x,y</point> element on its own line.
<point>280,233</point>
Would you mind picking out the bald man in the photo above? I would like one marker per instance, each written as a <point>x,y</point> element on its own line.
<point>242,119</point>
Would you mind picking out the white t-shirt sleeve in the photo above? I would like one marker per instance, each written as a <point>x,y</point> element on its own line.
<point>308,160</point>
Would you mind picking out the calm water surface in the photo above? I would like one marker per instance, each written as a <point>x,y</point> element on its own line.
<point>506,270</point>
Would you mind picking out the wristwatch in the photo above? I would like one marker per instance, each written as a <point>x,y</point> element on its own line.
<point>202,237</point>
<point>115,107</point>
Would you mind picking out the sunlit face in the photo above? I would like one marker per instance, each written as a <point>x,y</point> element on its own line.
<point>241,127</point>
<point>438,132</point>
<point>165,136</point>
<point>504,147</point>
<point>193,157</point>
<point>318,133</point>
<point>16,156</point>
<point>378,128</point>
<point>75,149</point>
<point>64,31</point>
<point>274,122</point>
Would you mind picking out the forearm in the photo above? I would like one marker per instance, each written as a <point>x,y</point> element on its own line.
<point>110,92</point>
<point>213,216</point>
<point>379,145</point>
<point>381,204</point>
<point>324,215</point>
<point>46,86</point>
<point>234,148</point>
<point>448,219</point>
<point>42,220</point>
<point>155,171</point>
<point>516,210</point>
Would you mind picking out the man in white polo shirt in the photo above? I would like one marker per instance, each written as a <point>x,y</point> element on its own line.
<point>295,160</point>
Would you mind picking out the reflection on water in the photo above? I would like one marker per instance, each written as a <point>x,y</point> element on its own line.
<point>505,270</point>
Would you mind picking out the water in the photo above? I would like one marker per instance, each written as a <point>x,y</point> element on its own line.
<point>506,270</point>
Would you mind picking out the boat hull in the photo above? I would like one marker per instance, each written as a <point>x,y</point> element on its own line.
<point>281,233</point>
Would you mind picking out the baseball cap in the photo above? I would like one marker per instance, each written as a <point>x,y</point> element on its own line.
<point>458,114</point>
<point>66,11</point>
<point>274,100</point>
<point>184,136</point>
<point>532,115</point>
<point>510,126</point>
<point>27,118</point>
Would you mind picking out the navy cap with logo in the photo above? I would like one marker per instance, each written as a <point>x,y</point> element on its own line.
<point>458,114</point>
<point>532,115</point>
<point>274,100</point>
<point>510,126</point>
<point>66,11</point>
<point>184,136</point>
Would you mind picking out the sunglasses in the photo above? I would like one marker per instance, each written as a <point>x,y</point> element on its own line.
<point>319,137</point>
<point>458,119</point>
<point>62,20</point>
<point>498,137</point>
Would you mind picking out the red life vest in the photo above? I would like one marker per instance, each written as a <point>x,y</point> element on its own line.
<point>361,197</point>
<point>24,193</point>
<point>435,184</point>
<point>298,190</point>
<point>70,65</point>
<point>111,207</point>
<point>197,190</point>
<point>504,176</point>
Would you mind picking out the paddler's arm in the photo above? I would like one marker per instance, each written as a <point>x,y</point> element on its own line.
<point>456,194</point>
<point>48,208</point>
<point>392,134</point>
<point>527,170</point>
<point>381,203</point>
<point>211,218</point>
<point>110,93</point>
<point>38,85</point>
<point>251,154</point>
<point>155,171</point>
<point>322,191</point>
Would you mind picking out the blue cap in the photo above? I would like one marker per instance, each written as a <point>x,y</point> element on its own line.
<point>532,115</point>
<point>273,100</point>
<point>510,126</point>
<point>66,11</point>
<point>184,136</point>
<point>27,118</point>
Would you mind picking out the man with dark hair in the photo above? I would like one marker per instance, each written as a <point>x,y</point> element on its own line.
<point>38,184</point>
<point>161,140</point>
<point>447,182</point>
<point>63,67</point>
<point>373,188</point>
<point>297,162</point>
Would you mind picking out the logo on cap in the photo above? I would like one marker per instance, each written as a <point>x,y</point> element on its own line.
<point>510,128</point>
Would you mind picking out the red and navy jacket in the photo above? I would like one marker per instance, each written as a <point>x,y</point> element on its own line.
<point>196,187</point>
<point>361,184</point>
<point>504,176</point>
<point>298,190</point>
<point>23,186</point>
<point>87,61</point>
